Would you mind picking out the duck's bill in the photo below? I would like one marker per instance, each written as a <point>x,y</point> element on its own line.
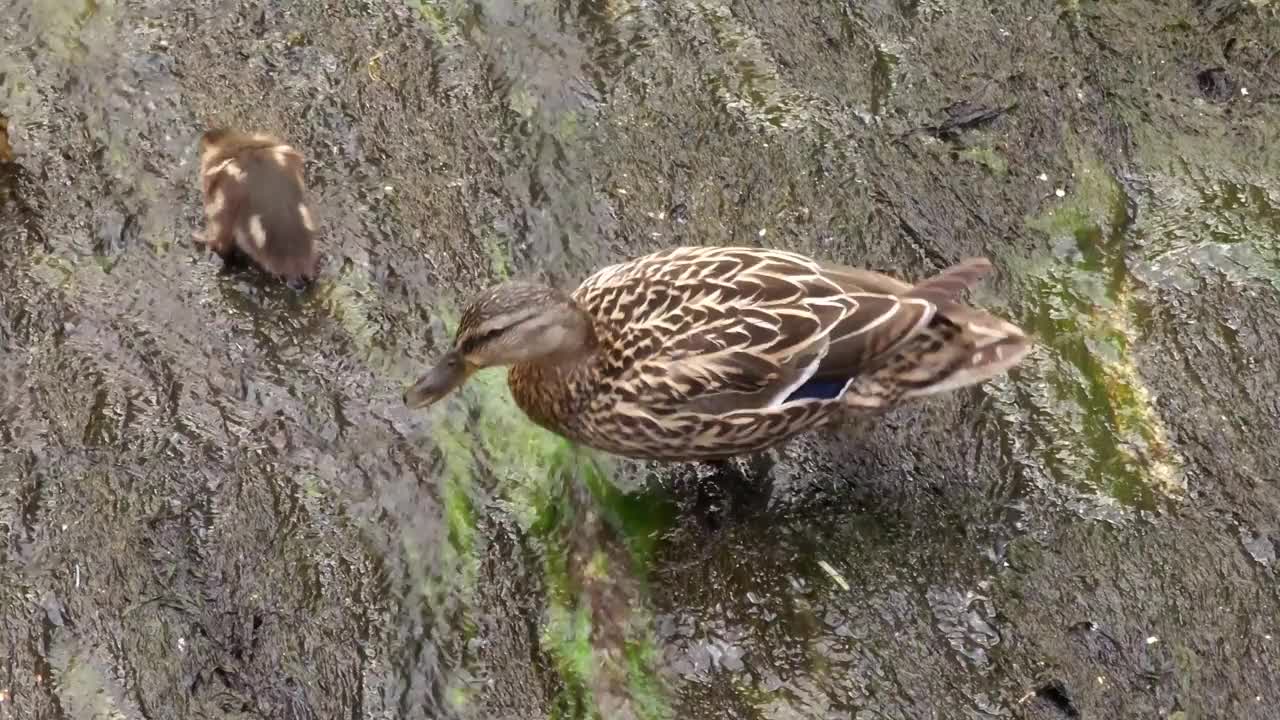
<point>438,382</point>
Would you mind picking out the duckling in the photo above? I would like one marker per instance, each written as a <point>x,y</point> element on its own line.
<point>6,150</point>
<point>255,204</point>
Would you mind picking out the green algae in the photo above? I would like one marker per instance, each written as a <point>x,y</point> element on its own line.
<point>66,24</point>
<point>595,542</point>
<point>749,83</point>
<point>1107,433</point>
<point>1210,185</point>
<point>347,298</point>
<point>441,17</point>
<point>987,157</point>
<point>884,64</point>
<point>482,433</point>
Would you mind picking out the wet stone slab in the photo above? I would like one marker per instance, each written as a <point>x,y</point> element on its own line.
<point>215,505</point>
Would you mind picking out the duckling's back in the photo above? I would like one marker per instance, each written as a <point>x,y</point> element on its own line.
<point>275,227</point>
<point>255,202</point>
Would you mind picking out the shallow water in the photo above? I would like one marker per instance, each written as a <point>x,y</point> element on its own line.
<point>216,506</point>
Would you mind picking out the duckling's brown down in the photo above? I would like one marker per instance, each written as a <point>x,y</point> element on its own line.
<point>255,203</point>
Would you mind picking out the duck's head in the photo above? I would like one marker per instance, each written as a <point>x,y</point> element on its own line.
<point>511,323</point>
<point>219,143</point>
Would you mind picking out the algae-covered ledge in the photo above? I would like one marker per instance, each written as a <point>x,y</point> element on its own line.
<point>214,503</point>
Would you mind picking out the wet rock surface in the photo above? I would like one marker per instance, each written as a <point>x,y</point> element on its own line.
<point>215,506</point>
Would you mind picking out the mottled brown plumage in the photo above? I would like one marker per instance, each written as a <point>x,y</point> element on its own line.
<point>705,353</point>
<point>255,203</point>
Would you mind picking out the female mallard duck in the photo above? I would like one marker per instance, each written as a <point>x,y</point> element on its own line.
<point>705,353</point>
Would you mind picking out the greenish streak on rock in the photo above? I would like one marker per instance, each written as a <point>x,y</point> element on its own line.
<point>1085,313</point>
<point>312,487</point>
<point>499,261</point>
<point>567,127</point>
<point>748,82</point>
<point>1093,213</point>
<point>521,101</point>
<point>458,455</point>
<point>648,692</point>
<point>1071,14</point>
<point>597,544</point>
<point>458,697</point>
<point>596,540</point>
<point>64,24</point>
<point>351,300</point>
<point>453,581</point>
<point>1235,234</point>
<point>987,157</point>
<point>459,512</point>
<point>567,635</point>
<point>90,33</point>
<point>83,684</point>
<point>347,299</point>
<point>883,66</point>
<point>442,17</point>
<point>1187,666</point>
<point>515,449</point>
<point>54,271</point>
<point>1213,204</point>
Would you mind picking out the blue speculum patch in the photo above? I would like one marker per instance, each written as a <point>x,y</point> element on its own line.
<point>825,389</point>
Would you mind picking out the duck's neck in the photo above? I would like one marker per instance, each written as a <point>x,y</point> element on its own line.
<point>548,380</point>
<point>579,345</point>
<point>549,388</point>
<point>569,341</point>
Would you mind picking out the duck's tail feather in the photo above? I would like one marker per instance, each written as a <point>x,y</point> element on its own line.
<point>962,347</point>
<point>944,288</point>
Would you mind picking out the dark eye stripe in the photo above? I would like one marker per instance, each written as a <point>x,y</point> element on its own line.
<point>470,344</point>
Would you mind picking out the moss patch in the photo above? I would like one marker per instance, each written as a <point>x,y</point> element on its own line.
<point>1108,435</point>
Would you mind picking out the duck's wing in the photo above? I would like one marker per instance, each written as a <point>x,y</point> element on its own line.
<point>958,346</point>
<point>862,344</point>
<point>712,330</point>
